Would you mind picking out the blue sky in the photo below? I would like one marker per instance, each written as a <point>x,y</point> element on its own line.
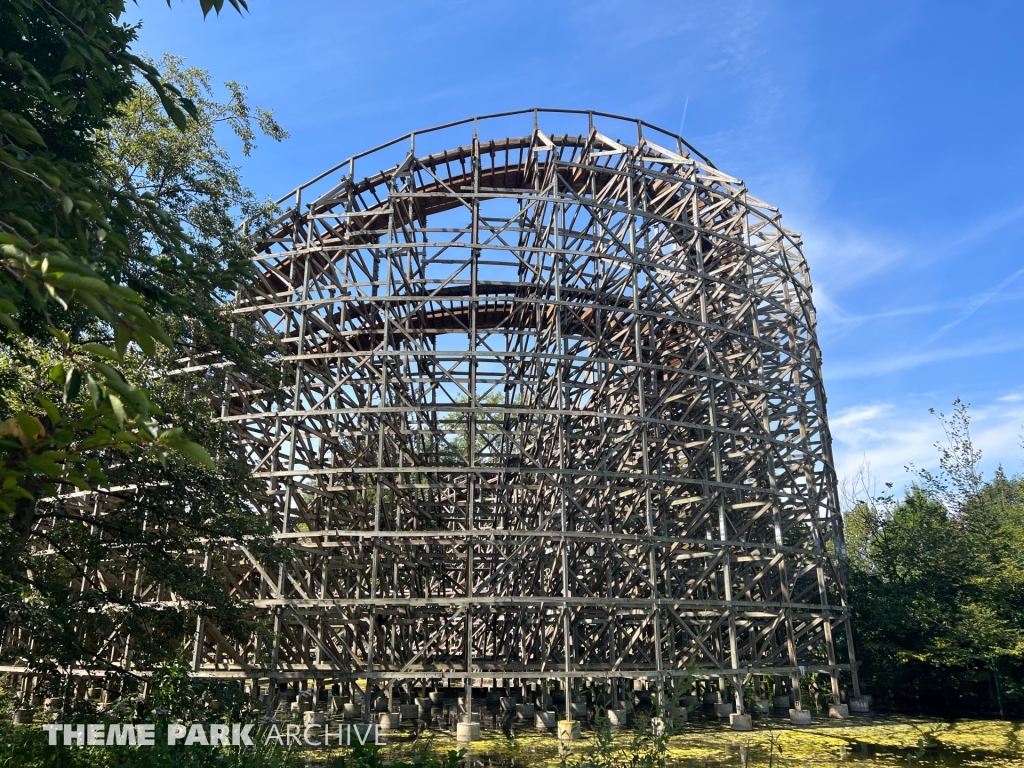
<point>889,134</point>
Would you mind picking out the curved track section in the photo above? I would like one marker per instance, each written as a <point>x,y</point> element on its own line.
<point>556,411</point>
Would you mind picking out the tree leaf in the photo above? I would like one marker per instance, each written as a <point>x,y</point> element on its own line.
<point>9,323</point>
<point>193,451</point>
<point>122,335</point>
<point>118,407</point>
<point>94,390</point>
<point>170,435</point>
<point>31,427</point>
<point>145,342</point>
<point>170,107</point>
<point>72,385</point>
<point>51,409</point>
<point>102,350</point>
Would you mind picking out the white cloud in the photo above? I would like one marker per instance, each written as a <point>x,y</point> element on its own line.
<point>844,257</point>
<point>841,257</point>
<point>858,416</point>
<point>859,369</point>
<point>975,303</point>
<point>889,437</point>
<point>884,438</point>
<point>984,227</point>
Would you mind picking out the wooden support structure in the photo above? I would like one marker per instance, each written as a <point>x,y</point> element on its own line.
<point>555,412</point>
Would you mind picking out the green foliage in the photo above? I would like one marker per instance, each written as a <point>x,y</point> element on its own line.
<point>83,246</point>
<point>488,427</point>
<point>958,480</point>
<point>188,175</point>
<point>27,747</point>
<point>598,751</point>
<point>369,756</point>
<point>937,587</point>
<point>647,746</point>
<point>66,69</point>
<point>153,520</point>
<point>174,696</point>
<point>676,687</point>
<point>118,245</point>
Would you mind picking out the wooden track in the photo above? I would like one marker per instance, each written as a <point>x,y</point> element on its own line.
<point>556,412</point>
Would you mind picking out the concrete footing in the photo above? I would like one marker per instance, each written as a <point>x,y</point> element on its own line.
<point>783,701</point>
<point>740,723</point>
<point>389,720</point>
<point>723,710</point>
<point>762,706</point>
<point>22,716</point>
<point>677,714</point>
<point>838,711</point>
<point>579,710</point>
<point>800,716</point>
<point>409,711</point>
<point>467,731</point>
<point>313,718</point>
<point>351,709</point>
<point>436,698</point>
<point>568,730</point>
<point>524,711</point>
<point>423,703</point>
<point>545,719</point>
<point>658,726</point>
<point>859,706</point>
<point>617,717</point>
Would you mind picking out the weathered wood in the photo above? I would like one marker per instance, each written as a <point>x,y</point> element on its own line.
<point>555,410</point>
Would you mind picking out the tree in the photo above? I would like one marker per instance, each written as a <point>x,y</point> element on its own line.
<point>863,505</point>
<point>66,256</point>
<point>118,244</point>
<point>487,426</point>
<point>958,479</point>
<point>937,585</point>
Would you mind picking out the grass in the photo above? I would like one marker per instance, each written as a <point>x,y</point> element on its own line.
<point>888,740</point>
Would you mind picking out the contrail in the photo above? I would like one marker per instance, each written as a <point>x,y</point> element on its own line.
<point>684,114</point>
<point>976,303</point>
